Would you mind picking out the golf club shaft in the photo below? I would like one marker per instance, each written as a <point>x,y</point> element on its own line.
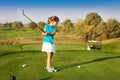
<point>32,21</point>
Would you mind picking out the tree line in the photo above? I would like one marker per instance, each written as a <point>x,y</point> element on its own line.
<point>91,28</point>
<point>17,25</point>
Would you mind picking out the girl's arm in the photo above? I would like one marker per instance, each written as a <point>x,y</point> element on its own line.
<point>49,34</point>
<point>53,33</point>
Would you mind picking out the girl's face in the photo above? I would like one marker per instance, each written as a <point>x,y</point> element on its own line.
<point>53,23</point>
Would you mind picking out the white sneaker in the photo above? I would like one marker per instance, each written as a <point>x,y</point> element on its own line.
<point>51,70</point>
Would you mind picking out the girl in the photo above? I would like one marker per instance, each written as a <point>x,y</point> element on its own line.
<point>48,42</point>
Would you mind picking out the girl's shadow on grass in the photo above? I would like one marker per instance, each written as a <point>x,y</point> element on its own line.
<point>83,63</point>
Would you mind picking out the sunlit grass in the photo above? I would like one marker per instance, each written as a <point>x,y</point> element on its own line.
<point>94,65</point>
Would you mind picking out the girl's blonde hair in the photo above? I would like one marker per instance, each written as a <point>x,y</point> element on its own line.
<point>53,18</point>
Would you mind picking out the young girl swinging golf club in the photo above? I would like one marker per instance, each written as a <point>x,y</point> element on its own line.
<point>48,41</point>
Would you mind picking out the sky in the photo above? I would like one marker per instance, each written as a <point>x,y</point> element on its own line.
<point>40,10</point>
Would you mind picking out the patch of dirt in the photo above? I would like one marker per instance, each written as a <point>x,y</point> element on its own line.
<point>18,41</point>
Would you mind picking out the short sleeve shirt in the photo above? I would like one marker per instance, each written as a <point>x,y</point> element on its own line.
<point>49,29</point>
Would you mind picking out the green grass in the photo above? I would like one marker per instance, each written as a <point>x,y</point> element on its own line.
<point>95,64</point>
<point>16,33</point>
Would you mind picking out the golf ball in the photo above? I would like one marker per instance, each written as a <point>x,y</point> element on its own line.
<point>79,66</point>
<point>55,70</point>
<point>24,65</point>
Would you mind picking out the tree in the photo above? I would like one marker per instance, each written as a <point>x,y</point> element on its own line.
<point>100,31</point>
<point>41,24</point>
<point>17,25</point>
<point>113,28</point>
<point>8,25</point>
<point>1,26</point>
<point>32,26</point>
<point>67,25</point>
<point>93,19</point>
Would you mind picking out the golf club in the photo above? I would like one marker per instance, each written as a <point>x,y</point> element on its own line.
<point>32,21</point>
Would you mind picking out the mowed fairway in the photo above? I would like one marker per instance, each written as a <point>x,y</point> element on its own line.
<point>94,65</point>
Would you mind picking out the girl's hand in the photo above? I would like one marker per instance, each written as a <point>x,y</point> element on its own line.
<point>48,34</point>
<point>44,34</point>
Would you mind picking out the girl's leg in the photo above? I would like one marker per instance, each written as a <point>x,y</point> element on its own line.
<point>49,58</point>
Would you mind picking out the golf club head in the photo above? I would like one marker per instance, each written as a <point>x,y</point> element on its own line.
<point>22,11</point>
